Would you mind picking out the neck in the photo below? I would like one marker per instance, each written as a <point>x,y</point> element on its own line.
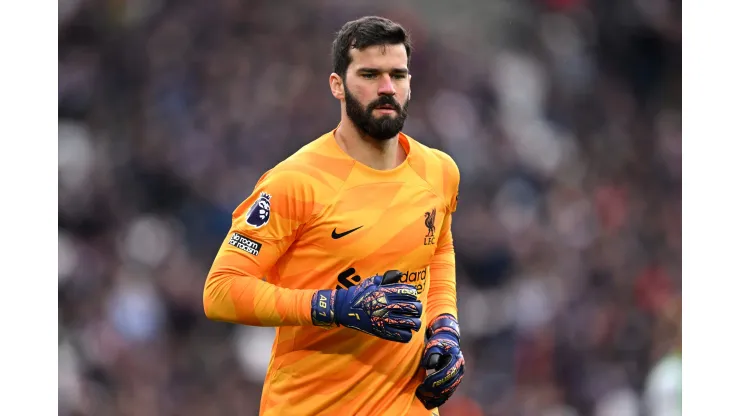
<point>377,154</point>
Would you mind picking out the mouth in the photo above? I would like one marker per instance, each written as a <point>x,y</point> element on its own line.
<point>386,109</point>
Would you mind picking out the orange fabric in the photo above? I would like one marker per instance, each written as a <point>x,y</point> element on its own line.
<point>404,219</point>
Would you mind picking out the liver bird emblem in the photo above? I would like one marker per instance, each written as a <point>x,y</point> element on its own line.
<point>429,221</point>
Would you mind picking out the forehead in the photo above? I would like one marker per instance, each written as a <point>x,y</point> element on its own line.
<point>379,56</point>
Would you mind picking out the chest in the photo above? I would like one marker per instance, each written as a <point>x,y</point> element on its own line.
<point>392,225</point>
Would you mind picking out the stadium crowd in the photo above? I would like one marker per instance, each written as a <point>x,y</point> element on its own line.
<point>564,117</point>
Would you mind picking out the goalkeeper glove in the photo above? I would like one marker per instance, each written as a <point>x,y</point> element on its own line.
<point>378,306</point>
<point>441,354</point>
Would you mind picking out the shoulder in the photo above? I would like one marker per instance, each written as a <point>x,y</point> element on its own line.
<point>313,169</point>
<point>438,169</point>
<point>434,160</point>
<point>300,185</point>
<point>447,163</point>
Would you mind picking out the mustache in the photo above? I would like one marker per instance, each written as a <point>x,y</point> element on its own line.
<point>385,100</point>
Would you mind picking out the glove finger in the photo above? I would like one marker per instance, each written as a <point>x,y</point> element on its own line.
<point>370,281</point>
<point>403,322</point>
<point>411,309</point>
<point>391,277</point>
<point>428,398</point>
<point>439,386</point>
<point>432,361</point>
<point>449,388</point>
<point>446,377</point>
<point>433,397</point>
<point>437,361</point>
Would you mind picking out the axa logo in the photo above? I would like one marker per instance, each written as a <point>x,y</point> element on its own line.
<point>429,218</point>
<point>350,277</point>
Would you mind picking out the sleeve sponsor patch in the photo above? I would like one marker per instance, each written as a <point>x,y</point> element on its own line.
<point>245,244</point>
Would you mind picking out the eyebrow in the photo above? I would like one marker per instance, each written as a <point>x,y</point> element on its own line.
<point>376,71</point>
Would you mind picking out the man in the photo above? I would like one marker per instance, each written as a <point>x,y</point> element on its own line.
<point>362,200</point>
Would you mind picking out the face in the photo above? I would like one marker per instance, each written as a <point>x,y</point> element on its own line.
<point>376,90</point>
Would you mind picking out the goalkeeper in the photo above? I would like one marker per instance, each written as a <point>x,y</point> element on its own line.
<point>346,248</point>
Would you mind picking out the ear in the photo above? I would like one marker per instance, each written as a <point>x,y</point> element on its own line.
<point>336,84</point>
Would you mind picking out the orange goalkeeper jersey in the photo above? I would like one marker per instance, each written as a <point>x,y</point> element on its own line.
<point>321,220</point>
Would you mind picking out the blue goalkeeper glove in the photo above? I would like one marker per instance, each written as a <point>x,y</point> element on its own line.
<point>378,306</point>
<point>441,354</point>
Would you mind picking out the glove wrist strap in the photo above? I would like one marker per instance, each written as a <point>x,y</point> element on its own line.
<point>322,308</point>
<point>444,323</point>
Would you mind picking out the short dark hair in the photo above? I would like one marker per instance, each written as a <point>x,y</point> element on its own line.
<point>365,32</point>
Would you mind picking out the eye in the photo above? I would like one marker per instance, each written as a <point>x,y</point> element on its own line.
<point>399,76</point>
<point>367,76</point>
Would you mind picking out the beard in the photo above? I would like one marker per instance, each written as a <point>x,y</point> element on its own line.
<point>379,128</point>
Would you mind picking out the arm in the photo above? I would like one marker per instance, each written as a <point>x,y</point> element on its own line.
<point>234,294</point>
<point>442,354</point>
<point>263,227</point>
<point>442,297</point>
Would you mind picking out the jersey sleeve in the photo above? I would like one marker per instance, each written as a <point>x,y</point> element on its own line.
<point>263,228</point>
<point>442,296</point>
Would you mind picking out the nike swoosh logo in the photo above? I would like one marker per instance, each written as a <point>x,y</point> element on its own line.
<point>336,235</point>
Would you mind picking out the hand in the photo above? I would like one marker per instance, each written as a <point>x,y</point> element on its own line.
<point>441,354</point>
<point>378,306</point>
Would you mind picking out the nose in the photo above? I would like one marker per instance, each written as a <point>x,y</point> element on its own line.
<point>386,86</point>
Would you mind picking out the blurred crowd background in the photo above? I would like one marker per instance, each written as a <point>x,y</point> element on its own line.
<point>564,117</point>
